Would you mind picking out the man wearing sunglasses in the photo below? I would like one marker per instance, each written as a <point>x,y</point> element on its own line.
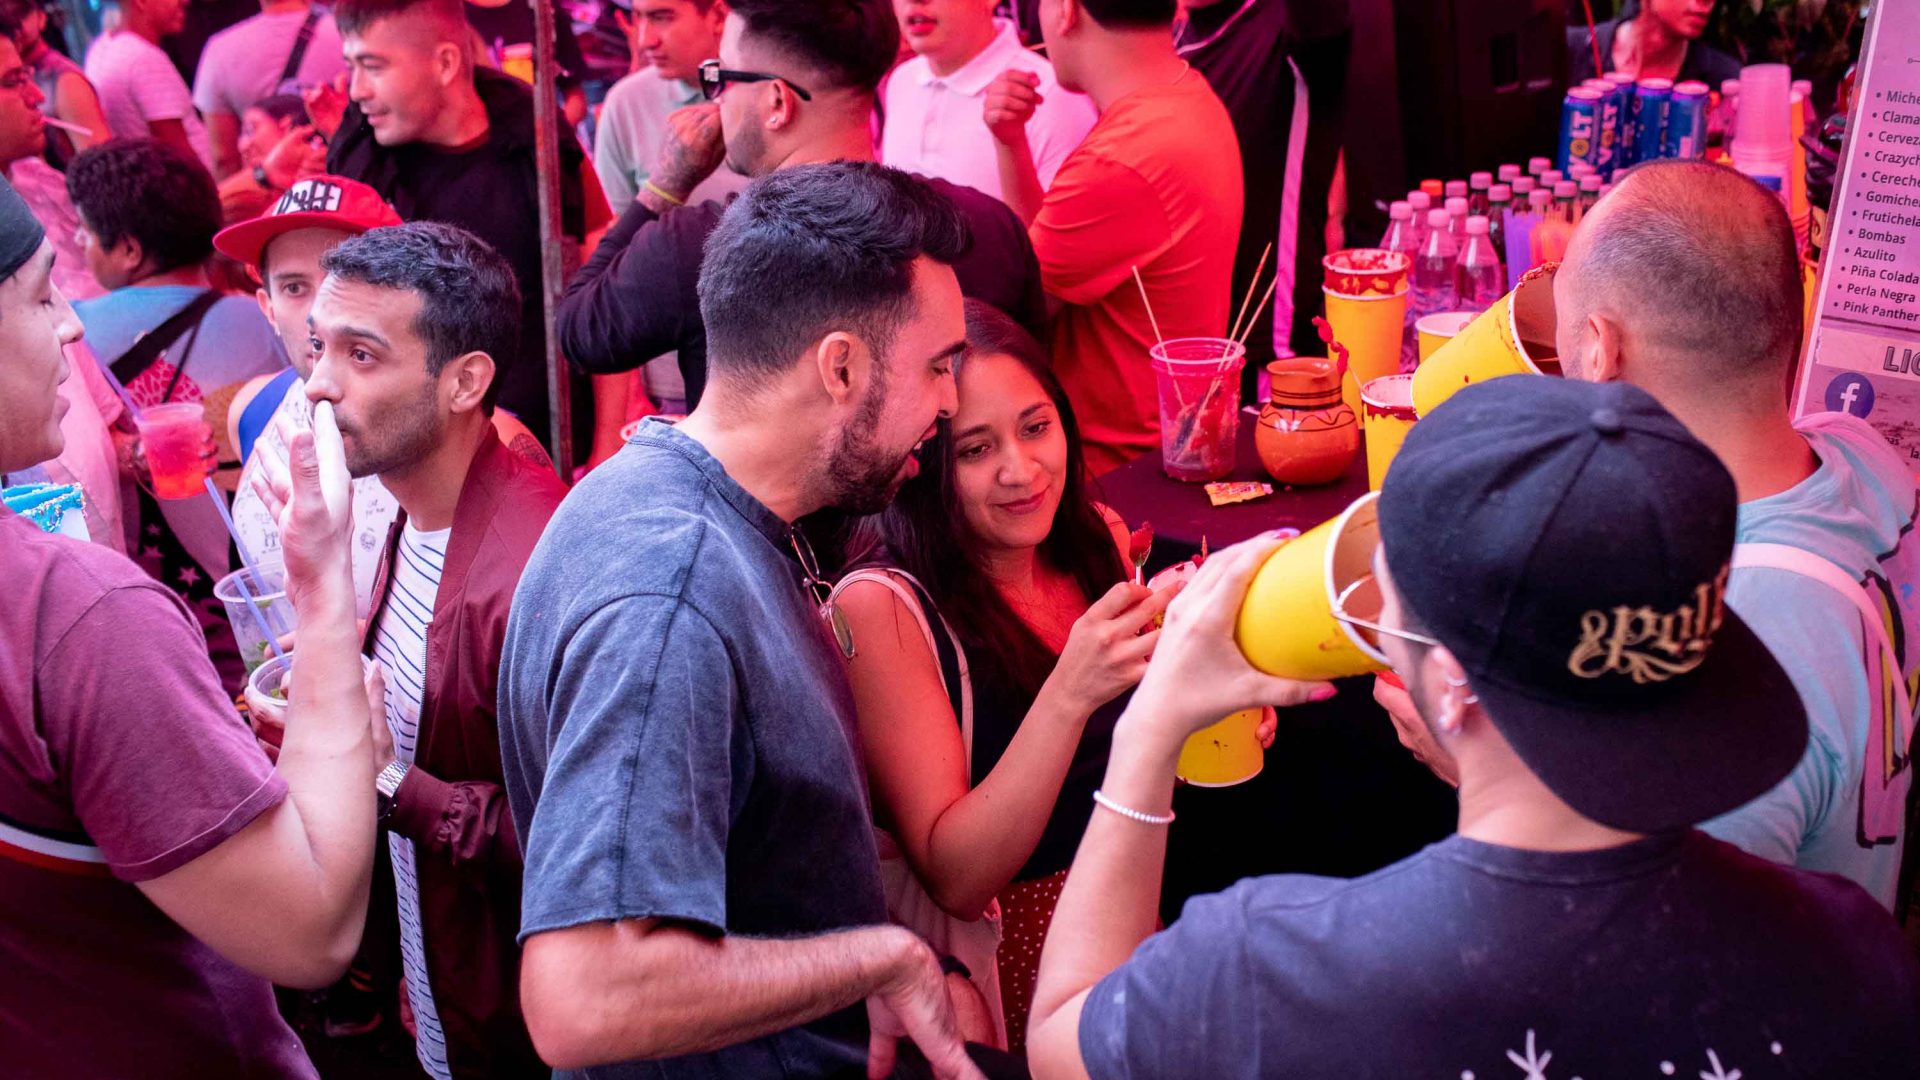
<point>1592,717</point>
<point>794,84</point>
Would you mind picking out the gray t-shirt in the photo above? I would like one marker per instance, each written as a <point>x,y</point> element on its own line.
<point>242,64</point>
<point>675,726</point>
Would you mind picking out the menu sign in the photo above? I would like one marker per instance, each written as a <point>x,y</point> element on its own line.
<point>1863,355</point>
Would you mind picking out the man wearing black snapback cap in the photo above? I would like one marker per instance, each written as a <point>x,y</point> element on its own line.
<point>1553,562</point>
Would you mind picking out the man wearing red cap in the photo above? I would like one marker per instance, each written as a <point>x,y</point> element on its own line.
<point>284,247</point>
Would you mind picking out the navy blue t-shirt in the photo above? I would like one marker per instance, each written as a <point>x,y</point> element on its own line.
<point>1676,956</point>
<point>674,724</point>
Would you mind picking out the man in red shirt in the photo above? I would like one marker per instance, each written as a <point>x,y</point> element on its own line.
<point>157,872</point>
<point>1156,185</point>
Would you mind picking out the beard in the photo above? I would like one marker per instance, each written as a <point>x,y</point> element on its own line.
<point>411,432</point>
<point>746,148</point>
<point>862,475</point>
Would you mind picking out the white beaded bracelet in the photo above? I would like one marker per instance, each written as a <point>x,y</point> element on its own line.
<point>1128,812</point>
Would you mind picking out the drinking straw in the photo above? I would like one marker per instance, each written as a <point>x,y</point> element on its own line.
<point>1263,306</point>
<point>246,557</point>
<point>72,129</point>
<point>1252,284</point>
<point>1158,337</point>
<point>260,614</point>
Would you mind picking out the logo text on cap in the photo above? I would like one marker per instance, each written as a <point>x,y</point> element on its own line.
<point>310,195</point>
<point>1647,645</point>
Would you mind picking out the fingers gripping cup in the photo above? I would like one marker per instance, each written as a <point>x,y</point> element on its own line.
<point>1225,753</point>
<point>1389,405</point>
<point>1198,383</point>
<point>1513,337</point>
<point>1287,625</point>
<point>174,437</point>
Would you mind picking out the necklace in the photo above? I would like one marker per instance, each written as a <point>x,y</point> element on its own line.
<point>821,592</point>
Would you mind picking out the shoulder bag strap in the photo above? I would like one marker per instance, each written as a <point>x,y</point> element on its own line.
<point>300,43</point>
<point>156,341</point>
<point>945,645</point>
<point>1890,736</point>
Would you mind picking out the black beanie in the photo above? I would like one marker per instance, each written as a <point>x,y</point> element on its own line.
<point>20,231</point>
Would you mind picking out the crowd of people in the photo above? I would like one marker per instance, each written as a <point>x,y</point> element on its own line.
<point>822,726</point>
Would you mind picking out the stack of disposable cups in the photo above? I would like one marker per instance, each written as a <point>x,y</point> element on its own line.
<point>1797,205</point>
<point>1763,131</point>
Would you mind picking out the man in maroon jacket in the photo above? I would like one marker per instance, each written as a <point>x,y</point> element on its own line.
<point>405,327</point>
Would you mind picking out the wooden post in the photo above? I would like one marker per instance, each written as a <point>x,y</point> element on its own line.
<point>547,157</point>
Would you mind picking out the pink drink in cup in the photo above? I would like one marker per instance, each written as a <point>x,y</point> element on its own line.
<point>1198,383</point>
<point>174,437</point>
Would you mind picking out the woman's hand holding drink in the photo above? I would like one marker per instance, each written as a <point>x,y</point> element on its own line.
<point>1109,646</point>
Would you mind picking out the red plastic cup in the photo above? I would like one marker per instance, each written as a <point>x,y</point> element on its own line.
<point>174,437</point>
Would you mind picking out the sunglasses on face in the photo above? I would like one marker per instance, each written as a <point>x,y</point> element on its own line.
<point>714,80</point>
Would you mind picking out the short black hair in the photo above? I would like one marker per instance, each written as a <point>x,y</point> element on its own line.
<point>469,299</point>
<point>851,43</point>
<point>9,24</point>
<point>353,17</point>
<point>150,191</point>
<point>817,248</point>
<point>1131,14</point>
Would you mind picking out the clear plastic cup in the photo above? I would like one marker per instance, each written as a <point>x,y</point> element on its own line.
<point>174,437</point>
<point>1198,382</point>
<point>270,612</point>
<point>266,695</point>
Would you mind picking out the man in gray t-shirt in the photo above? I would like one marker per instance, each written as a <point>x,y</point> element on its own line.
<point>250,60</point>
<point>702,892</point>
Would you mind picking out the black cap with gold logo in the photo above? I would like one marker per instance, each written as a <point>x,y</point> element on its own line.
<point>1569,542</point>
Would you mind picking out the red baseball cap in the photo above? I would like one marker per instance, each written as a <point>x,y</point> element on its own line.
<point>318,202</point>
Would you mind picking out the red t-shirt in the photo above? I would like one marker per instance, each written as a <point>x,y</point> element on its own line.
<point>1156,185</point>
<point>121,759</point>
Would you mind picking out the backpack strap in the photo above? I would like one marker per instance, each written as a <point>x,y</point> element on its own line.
<point>144,352</point>
<point>292,68</point>
<point>1890,734</point>
<point>945,645</point>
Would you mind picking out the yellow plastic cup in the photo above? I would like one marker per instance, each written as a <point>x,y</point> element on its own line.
<point>1513,337</point>
<point>1389,407</point>
<point>1286,625</point>
<point>1224,754</point>
<point>1439,328</point>
<point>1370,327</point>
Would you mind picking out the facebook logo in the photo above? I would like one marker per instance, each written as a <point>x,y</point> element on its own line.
<point>1850,393</point>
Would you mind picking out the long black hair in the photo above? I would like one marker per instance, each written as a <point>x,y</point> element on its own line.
<point>925,531</point>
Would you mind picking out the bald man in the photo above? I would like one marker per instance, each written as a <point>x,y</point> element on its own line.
<point>1684,281</point>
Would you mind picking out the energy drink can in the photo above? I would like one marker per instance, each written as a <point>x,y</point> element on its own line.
<point>1622,131</point>
<point>1579,126</point>
<point>1650,98</point>
<point>1686,134</point>
<point>1606,142</point>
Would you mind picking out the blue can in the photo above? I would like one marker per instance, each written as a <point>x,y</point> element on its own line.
<point>1686,135</point>
<point>1579,126</point>
<point>1623,131</point>
<point>1650,97</point>
<point>1607,146</point>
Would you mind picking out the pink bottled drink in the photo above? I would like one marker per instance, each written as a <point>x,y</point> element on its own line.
<point>1399,235</point>
<point>1480,279</point>
<point>1433,275</point>
<point>1457,219</point>
<point>1422,203</point>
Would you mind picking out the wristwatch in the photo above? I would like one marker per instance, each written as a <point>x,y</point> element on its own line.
<point>386,785</point>
<point>260,177</point>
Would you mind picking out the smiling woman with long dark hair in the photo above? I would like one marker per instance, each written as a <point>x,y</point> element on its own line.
<point>983,745</point>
